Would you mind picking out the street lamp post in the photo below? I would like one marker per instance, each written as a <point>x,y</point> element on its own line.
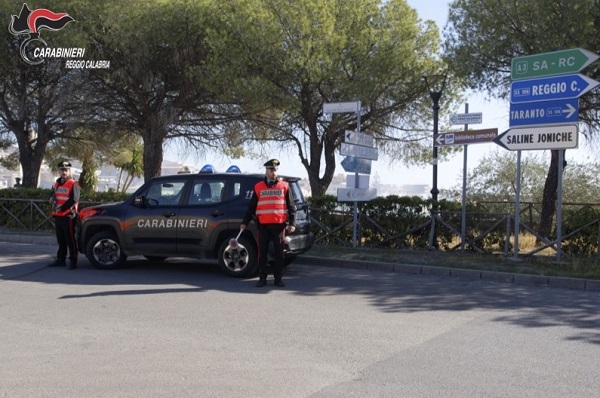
<point>435,85</point>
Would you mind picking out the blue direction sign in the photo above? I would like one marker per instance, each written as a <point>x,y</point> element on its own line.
<point>352,164</point>
<point>550,88</point>
<point>546,112</point>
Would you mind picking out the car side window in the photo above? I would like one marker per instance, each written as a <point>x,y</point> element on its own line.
<point>163,193</point>
<point>206,192</point>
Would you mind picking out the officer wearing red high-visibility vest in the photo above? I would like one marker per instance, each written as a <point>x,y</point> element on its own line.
<point>65,200</point>
<point>275,214</point>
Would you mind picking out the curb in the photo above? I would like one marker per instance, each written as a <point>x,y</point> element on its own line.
<point>400,268</point>
<point>459,273</point>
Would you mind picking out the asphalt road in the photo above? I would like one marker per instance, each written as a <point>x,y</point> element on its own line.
<point>182,329</point>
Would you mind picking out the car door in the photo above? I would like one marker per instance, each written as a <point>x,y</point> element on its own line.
<point>151,226</point>
<point>203,214</point>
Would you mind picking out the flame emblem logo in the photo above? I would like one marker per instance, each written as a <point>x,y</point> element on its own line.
<point>31,23</point>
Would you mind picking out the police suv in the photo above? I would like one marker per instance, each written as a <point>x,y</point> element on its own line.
<point>187,215</point>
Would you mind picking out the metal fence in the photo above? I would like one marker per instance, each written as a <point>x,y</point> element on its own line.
<point>488,230</point>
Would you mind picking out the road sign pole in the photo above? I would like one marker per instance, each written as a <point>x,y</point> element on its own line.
<point>517,205</point>
<point>355,212</point>
<point>463,221</point>
<point>561,159</point>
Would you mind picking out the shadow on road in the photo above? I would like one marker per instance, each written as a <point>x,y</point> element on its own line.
<point>532,306</point>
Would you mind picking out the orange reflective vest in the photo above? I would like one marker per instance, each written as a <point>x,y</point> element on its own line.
<point>271,207</point>
<point>61,196</point>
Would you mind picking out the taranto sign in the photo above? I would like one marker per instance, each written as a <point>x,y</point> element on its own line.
<point>546,112</point>
<point>543,137</point>
<point>552,63</point>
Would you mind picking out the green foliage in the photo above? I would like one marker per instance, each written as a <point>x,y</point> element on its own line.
<point>493,179</point>
<point>584,241</point>
<point>294,57</point>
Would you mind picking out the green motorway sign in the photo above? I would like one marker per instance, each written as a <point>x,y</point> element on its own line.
<point>549,64</point>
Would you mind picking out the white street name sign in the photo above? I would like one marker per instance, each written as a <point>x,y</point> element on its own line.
<point>466,118</point>
<point>358,139</point>
<point>542,137</point>
<point>356,195</point>
<point>341,107</point>
<point>358,151</point>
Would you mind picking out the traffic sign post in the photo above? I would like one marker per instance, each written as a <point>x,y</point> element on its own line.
<point>357,146</point>
<point>542,137</point>
<point>546,112</point>
<point>466,137</point>
<point>546,101</point>
<point>551,88</point>
<point>552,63</point>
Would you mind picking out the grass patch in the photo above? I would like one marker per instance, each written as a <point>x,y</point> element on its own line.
<point>546,265</point>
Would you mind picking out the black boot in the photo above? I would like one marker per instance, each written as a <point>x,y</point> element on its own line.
<point>279,283</point>
<point>72,265</point>
<point>57,263</point>
<point>261,283</point>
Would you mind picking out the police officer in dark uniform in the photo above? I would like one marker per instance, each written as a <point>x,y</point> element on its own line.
<point>275,214</point>
<point>65,201</point>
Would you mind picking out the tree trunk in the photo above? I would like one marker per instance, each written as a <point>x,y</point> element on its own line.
<point>32,147</point>
<point>549,199</point>
<point>318,185</point>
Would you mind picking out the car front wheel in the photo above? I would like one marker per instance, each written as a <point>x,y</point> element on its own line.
<point>104,251</point>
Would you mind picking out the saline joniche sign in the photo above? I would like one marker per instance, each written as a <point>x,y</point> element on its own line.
<point>541,137</point>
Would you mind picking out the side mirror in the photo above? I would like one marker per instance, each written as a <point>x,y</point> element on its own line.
<point>139,201</point>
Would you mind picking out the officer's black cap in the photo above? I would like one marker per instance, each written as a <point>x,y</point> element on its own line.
<point>272,164</point>
<point>64,165</point>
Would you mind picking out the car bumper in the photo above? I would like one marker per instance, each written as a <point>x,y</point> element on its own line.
<point>296,244</point>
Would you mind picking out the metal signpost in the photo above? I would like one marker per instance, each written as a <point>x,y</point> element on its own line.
<point>464,138</point>
<point>359,151</point>
<point>544,93</point>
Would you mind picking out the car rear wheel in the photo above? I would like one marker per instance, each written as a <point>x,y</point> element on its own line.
<point>104,251</point>
<point>239,262</point>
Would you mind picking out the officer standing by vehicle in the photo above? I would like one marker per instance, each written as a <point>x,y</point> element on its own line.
<point>65,201</point>
<point>274,210</point>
